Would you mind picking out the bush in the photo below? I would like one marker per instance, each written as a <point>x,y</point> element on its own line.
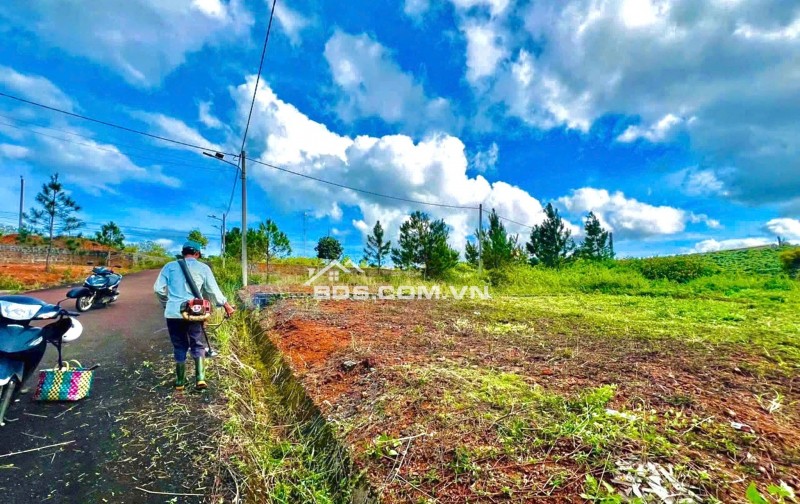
<point>680,269</point>
<point>790,260</point>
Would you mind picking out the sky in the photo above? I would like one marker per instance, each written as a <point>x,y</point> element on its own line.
<point>674,121</point>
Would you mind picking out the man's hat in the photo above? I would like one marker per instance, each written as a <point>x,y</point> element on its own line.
<point>192,246</point>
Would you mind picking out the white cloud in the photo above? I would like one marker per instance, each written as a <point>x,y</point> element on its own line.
<point>484,49</point>
<point>486,160</point>
<point>433,169</point>
<point>715,71</point>
<point>170,127</point>
<point>496,7</point>
<point>35,88</point>
<point>292,22</point>
<point>416,8</point>
<point>695,182</point>
<point>206,117</point>
<point>730,244</point>
<point>784,227</point>
<point>154,39</point>
<point>374,85</point>
<point>10,151</point>
<point>658,132</point>
<point>628,217</point>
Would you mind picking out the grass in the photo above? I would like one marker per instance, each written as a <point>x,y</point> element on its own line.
<point>643,363</point>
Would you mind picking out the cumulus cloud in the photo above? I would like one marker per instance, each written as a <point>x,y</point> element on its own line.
<point>484,49</point>
<point>730,244</point>
<point>170,127</point>
<point>628,217</point>
<point>34,88</point>
<point>784,227</point>
<point>374,85</point>
<point>432,170</point>
<point>292,22</point>
<point>155,39</point>
<point>206,117</point>
<point>722,73</point>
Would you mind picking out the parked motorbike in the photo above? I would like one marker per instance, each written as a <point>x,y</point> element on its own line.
<point>23,345</point>
<point>101,288</point>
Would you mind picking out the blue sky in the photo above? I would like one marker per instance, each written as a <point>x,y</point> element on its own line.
<point>673,120</point>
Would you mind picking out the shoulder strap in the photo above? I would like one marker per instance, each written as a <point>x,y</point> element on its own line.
<point>189,279</point>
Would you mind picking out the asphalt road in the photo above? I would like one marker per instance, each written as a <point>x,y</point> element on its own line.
<point>119,338</point>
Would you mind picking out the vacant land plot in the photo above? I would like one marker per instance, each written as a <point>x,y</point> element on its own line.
<point>33,276</point>
<point>674,397</point>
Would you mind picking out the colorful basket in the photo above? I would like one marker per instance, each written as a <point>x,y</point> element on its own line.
<point>64,384</point>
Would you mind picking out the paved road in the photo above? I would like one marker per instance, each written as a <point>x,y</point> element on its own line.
<point>119,338</point>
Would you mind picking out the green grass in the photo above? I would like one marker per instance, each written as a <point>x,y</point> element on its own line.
<point>9,284</point>
<point>759,261</point>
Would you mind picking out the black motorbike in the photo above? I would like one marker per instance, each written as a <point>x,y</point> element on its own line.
<point>101,288</point>
<point>23,345</point>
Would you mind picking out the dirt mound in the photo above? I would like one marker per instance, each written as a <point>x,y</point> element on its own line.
<point>61,242</point>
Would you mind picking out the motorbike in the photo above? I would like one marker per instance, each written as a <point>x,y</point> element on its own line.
<point>23,345</point>
<point>100,288</point>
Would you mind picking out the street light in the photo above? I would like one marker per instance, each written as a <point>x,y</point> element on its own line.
<point>222,235</point>
<point>221,157</point>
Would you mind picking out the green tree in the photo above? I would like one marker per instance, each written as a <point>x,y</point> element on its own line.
<point>264,243</point>
<point>550,242</point>
<point>110,235</point>
<point>56,213</point>
<point>423,245</point>
<point>498,246</point>
<point>471,253</point>
<point>329,248</point>
<point>597,242</point>
<point>377,250</point>
<point>199,237</point>
<point>790,260</point>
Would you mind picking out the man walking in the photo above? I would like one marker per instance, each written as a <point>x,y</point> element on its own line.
<point>174,291</point>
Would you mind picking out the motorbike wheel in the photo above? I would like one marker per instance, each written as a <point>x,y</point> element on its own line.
<point>84,303</point>
<point>6,394</point>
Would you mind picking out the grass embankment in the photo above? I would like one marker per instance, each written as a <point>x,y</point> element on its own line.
<point>276,441</point>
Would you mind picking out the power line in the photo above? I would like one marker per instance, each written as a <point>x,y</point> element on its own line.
<point>112,125</point>
<point>87,137</point>
<point>514,222</point>
<point>365,191</point>
<point>113,151</point>
<point>258,77</point>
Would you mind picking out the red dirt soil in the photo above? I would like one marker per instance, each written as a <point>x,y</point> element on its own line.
<point>33,276</point>
<point>387,338</point>
<point>58,243</point>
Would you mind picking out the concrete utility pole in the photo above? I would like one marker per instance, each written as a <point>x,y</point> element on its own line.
<point>244,221</point>
<point>480,238</point>
<point>21,201</point>
<point>304,233</point>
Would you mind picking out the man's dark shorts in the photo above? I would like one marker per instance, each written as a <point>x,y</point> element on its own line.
<point>186,336</point>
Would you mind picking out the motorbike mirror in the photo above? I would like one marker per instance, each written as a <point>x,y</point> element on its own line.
<point>59,303</point>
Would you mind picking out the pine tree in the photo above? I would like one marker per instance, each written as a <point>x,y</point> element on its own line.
<point>56,213</point>
<point>498,246</point>
<point>197,236</point>
<point>377,250</point>
<point>597,243</point>
<point>550,242</point>
<point>471,254</point>
<point>110,235</point>
<point>423,245</point>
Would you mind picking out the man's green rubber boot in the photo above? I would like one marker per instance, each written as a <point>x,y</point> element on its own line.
<point>200,373</point>
<point>180,375</point>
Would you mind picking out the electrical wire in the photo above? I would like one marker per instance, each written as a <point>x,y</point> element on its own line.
<point>364,191</point>
<point>514,222</point>
<point>87,137</point>
<point>110,124</point>
<point>258,77</point>
<point>113,151</point>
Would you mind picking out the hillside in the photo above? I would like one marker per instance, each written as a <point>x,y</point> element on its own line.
<point>757,260</point>
<point>61,242</point>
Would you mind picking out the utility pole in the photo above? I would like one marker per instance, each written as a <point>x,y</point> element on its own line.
<point>244,220</point>
<point>21,200</point>
<point>480,238</point>
<point>222,241</point>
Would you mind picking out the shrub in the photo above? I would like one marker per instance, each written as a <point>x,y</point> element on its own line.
<point>790,260</point>
<point>680,269</point>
